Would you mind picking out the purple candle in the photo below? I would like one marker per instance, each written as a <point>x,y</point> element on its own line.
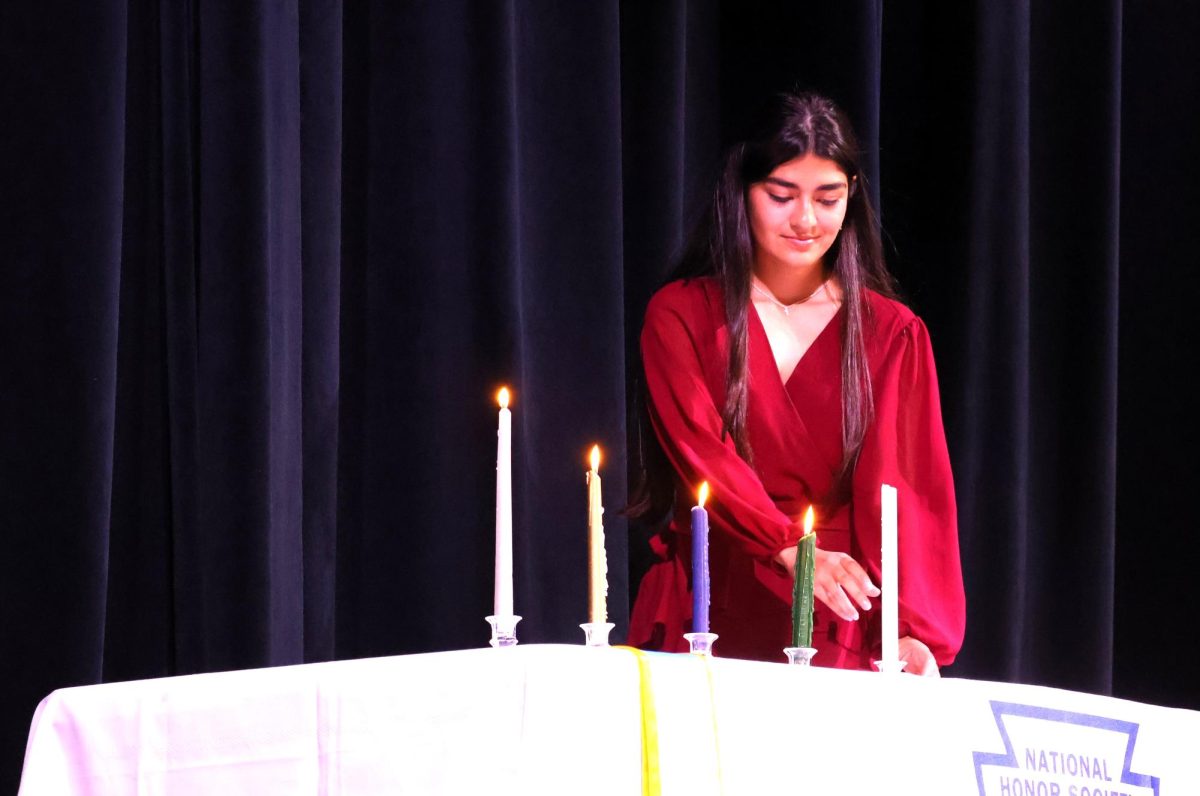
<point>700,587</point>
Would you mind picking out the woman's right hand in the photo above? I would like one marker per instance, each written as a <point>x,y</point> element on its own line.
<point>841,583</point>
<point>838,581</point>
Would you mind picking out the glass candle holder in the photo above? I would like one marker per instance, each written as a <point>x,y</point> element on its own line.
<point>701,643</point>
<point>890,667</point>
<point>504,630</point>
<point>595,634</point>
<point>800,656</point>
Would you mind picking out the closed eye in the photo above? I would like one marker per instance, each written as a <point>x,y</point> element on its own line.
<point>779,200</point>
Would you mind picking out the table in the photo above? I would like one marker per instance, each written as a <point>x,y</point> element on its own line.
<point>568,719</point>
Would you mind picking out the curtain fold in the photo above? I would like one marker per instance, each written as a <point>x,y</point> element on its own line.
<point>321,70</point>
<point>245,557</point>
<point>1157,429</point>
<point>1075,107</point>
<point>996,391</point>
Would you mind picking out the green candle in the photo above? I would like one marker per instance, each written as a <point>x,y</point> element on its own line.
<point>802,586</point>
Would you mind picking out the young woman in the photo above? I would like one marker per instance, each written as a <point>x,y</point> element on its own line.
<point>780,368</point>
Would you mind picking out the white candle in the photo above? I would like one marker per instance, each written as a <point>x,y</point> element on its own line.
<point>890,619</point>
<point>503,602</point>
<point>597,560</point>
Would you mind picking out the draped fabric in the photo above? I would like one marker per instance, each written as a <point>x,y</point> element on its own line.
<point>263,266</point>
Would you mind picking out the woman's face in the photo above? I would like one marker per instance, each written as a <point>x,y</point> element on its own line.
<point>796,213</point>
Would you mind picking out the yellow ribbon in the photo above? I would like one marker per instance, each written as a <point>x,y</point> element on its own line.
<point>712,701</point>
<point>651,779</point>
<point>651,772</point>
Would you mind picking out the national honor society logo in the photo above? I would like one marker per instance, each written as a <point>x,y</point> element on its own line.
<point>1056,753</point>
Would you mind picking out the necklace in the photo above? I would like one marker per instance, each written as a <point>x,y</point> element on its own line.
<point>787,308</point>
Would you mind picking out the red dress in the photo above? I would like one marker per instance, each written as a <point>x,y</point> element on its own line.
<point>795,432</point>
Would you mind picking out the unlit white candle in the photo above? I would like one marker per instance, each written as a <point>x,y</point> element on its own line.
<point>891,616</point>
<point>503,602</point>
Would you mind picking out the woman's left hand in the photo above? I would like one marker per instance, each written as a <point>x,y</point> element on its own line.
<point>919,659</point>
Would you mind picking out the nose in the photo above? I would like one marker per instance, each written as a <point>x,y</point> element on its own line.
<point>804,217</point>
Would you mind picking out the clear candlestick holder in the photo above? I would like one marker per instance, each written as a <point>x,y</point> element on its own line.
<point>701,643</point>
<point>800,656</point>
<point>890,667</point>
<point>595,634</point>
<point>504,630</point>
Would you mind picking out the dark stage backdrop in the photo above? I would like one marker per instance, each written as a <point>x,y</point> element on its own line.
<point>265,264</point>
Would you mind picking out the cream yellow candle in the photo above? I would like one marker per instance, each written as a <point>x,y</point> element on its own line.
<point>597,559</point>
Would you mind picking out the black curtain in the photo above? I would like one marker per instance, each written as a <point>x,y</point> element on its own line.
<point>265,265</point>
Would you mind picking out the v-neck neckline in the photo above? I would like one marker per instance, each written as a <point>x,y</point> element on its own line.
<point>785,383</point>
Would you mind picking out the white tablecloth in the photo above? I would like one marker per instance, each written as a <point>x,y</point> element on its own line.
<point>563,719</point>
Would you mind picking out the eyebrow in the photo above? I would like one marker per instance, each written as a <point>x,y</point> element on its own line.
<point>831,186</point>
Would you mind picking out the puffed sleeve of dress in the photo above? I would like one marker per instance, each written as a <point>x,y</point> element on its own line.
<point>906,448</point>
<point>683,353</point>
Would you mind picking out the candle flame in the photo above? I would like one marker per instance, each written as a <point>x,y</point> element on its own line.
<point>595,458</point>
<point>808,521</point>
<point>703,494</point>
<point>502,397</point>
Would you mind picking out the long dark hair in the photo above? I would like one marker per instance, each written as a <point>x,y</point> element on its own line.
<point>721,245</point>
